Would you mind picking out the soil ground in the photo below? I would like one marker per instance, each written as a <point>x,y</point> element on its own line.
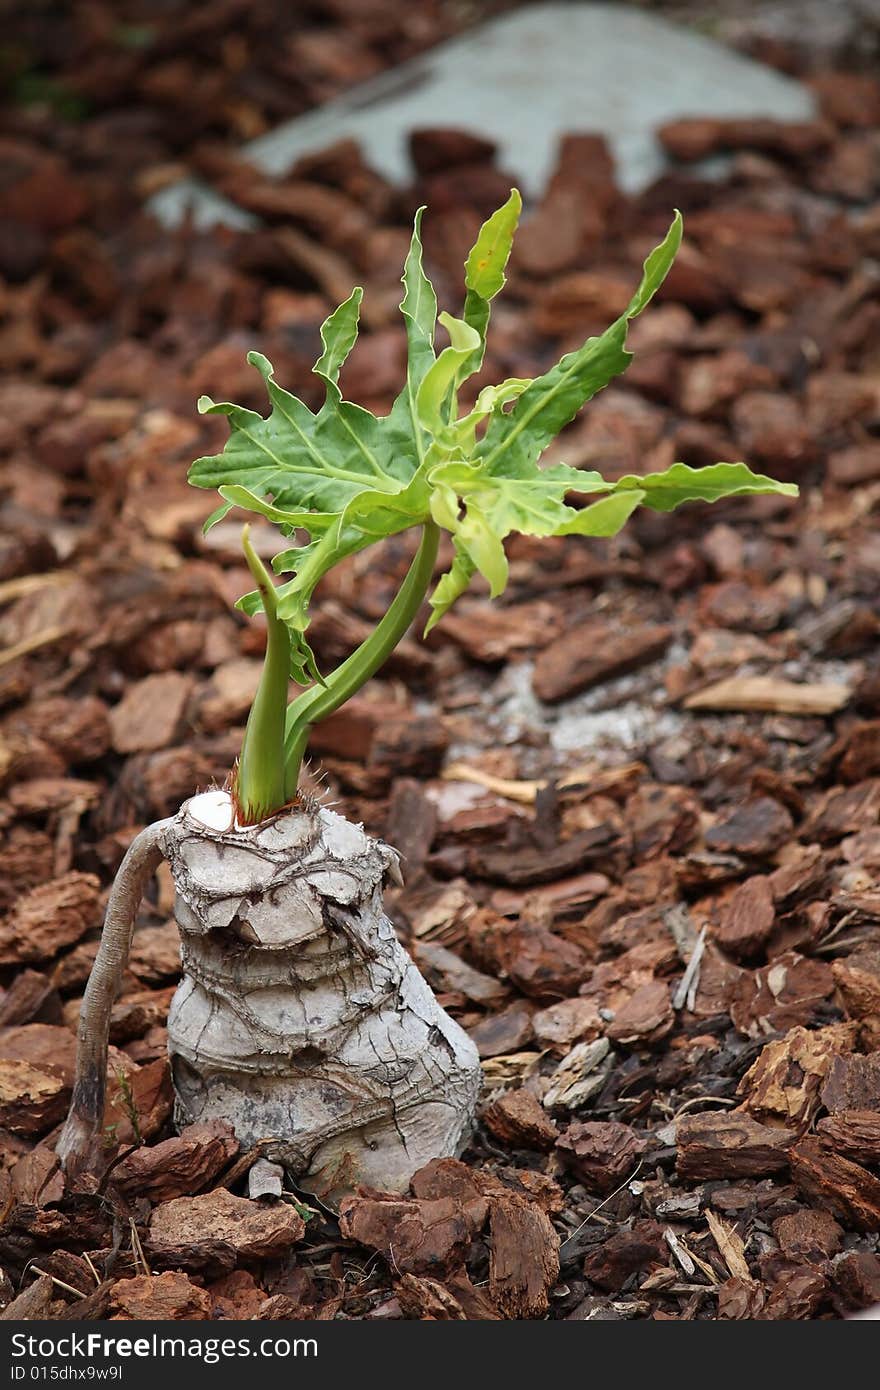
<point>638,799</point>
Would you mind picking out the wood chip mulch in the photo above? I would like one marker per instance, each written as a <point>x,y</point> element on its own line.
<point>638,799</point>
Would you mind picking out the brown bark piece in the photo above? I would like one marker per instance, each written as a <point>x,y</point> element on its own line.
<point>170,1296</point>
<point>427,1300</point>
<point>740,1300</point>
<point>593,653</point>
<point>31,995</point>
<point>32,1098</point>
<point>783,1085</point>
<point>782,995</point>
<point>661,820</point>
<point>569,1021</point>
<point>695,137</point>
<point>40,1043</point>
<point>78,729</point>
<point>449,1177</point>
<point>646,1017</point>
<point>446,971</point>
<point>50,917</point>
<point>181,1166</point>
<point>435,148</point>
<point>858,978</point>
<point>155,953</point>
<point>861,752</point>
<point>519,1119</point>
<point>747,918</point>
<point>848,98</point>
<point>350,732</point>
<point>756,829</point>
<point>36,1179</point>
<point>236,1295</point>
<point>32,1304</point>
<point>844,812</point>
<point>853,1083</point>
<point>798,1295</point>
<point>537,1187</point>
<point>132,1015</point>
<point>600,1153</point>
<point>492,635</point>
<point>526,866</point>
<point>150,714</point>
<point>859,463</point>
<point>625,1253</point>
<point>428,1237</point>
<point>42,191</point>
<point>411,825</point>
<point>857,1280</point>
<point>730,1145</point>
<point>809,1234</point>
<point>844,1187</point>
<point>216,1230</point>
<point>523,1257</point>
<point>771,695</point>
<point>510,1030</point>
<point>152,1097</point>
<point>524,1247</point>
<point>854,1133</point>
<point>540,963</point>
<point>27,859</point>
<point>455,1300</point>
<point>772,429</point>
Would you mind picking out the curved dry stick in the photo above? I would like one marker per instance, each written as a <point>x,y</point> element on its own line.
<point>78,1146</point>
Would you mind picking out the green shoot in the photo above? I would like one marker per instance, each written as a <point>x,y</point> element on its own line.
<point>259,783</point>
<point>347,479</point>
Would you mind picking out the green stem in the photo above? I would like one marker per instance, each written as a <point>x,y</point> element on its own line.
<point>260,781</point>
<point>318,702</point>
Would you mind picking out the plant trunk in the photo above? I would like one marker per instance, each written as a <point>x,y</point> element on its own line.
<point>300,1018</point>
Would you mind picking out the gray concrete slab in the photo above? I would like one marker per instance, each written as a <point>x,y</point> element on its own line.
<point>524,79</point>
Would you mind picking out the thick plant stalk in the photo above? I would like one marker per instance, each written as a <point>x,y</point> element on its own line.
<point>259,778</point>
<point>300,1018</point>
<point>80,1142</point>
<point>318,702</point>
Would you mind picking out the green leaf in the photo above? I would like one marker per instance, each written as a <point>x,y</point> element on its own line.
<point>305,462</point>
<point>516,439</point>
<point>338,336</point>
<point>484,270</point>
<point>379,514</point>
<point>680,483</point>
<point>533,505</point>
<point>436,397</point>
<point>493,398</point>
<point>452,585</point>
<point>218,514</point>
<point>477,538</point>
<point>487,260</point>
<point>334,474</point>
<point>419,303</point>
<point>603,518</point>
<point>313,522</point>
<point>656,268</point>
<point>402,430</point>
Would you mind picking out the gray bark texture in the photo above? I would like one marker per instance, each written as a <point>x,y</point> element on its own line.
<point>300,1018</point>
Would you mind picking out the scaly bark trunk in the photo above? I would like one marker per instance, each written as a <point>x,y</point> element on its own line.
<point>300,1018</point>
